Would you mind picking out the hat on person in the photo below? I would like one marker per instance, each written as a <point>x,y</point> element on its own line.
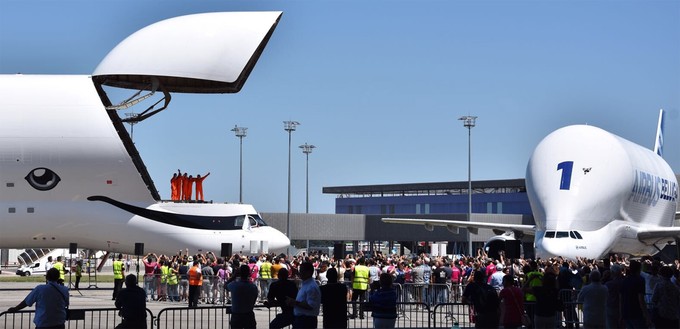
<point>191,259</point>
<point>499,267</point>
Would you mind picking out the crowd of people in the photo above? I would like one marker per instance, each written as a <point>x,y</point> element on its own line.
<point>182,186</point>
<point>614,293</point>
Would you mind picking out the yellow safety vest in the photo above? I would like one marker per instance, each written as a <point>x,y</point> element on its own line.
<point>360,281</point>
<point>165,271</point>
<point>172,278</point>
<point>60,266</point>
<point>117,269</point>
<point>266,270</point>
<point>534,279</point>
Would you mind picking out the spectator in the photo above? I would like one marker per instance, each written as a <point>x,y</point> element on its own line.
<point>149,280</point>
<point>613,291</point>
<point>547,302</point>
<point>513,303</point>
<point>183,280</point>
<point>279,291</point>
<point>243,298</point>
<point>485,301</point>
<point>308,301</point>
<point>195,282</point>
<point>79,273</point>
<point>334,301</point>
<point>208,275</point>
<point>633,307</point>
<point>497,277</point>
<point>131,302</point>
<point>359,287</point>
<point>51,301</point>
<point>265,277</point>
<point>666,301</point>
<point>384,303</point>
<point>118,274</point>
<point>594,299</point>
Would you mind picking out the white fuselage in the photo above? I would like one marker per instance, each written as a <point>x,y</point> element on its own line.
<point>591,191</point>
<point>59,147</point>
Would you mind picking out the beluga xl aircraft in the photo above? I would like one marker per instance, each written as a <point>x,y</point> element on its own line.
<point>70,172</point>
<point>592,193</point>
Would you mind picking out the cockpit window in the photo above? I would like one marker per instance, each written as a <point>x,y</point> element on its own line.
<point>577,234</point>
<point>562,234</point>
<point>254,221</point>
<point>258,219</point>
<point>238,221</point>
<point>549,234</point>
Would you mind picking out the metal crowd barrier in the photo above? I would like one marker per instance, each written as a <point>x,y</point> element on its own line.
<point>82,318</point>
<point>192,318</point>
<point>409,315</point>
<point>430,294</point>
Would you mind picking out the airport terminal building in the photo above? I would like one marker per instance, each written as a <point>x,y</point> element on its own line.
<point>359,210</point>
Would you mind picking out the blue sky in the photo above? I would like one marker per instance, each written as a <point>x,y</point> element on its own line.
<point>378,86</point>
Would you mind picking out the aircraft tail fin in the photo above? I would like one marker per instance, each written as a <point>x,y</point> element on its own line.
<point>658,144</point>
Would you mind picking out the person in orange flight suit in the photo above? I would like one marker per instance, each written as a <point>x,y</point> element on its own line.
<point>199,186</point>
<point>173,187</point>
<point>183,186</point>
<point>179,185</point>
<point>188,187</point>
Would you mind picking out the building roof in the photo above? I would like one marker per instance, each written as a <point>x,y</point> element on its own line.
<point>461,187</point>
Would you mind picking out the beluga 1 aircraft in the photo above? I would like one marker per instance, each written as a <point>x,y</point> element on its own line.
<point>592,193</point>
<point>70,171</point>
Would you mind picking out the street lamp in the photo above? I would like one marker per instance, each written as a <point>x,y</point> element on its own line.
<point>307,149</point>
<point>240,133</point>
<point>131,116</point>
<point>469,122</point>
<point>289,126</point>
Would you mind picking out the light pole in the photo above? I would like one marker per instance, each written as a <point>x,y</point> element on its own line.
<point>307,149</point>
<point>240,133</point>
<point>132,122</point>
<point>289,126</point>
<point>469,122</point>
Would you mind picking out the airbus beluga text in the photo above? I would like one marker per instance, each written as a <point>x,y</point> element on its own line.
<point>69,169</point>
<point>593,193</point>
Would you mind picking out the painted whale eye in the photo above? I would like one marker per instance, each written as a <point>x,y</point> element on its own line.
<point>42,179</point>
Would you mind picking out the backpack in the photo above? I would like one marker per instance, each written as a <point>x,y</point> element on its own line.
<point>486,299</point>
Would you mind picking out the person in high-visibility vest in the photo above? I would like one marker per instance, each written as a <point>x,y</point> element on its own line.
<point>265,277</point>
<point>173,283</point>
<point>195,282</point>
<point>359,287</point>
<point>59,265</point>
<point>165,271</point>
<point>118,275</point>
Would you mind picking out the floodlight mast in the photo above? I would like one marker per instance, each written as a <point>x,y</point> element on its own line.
<point>240,132</point>
<point>307,149</point>
<point>132,116</point>
<point>469,123</point>
<point>290,127</point>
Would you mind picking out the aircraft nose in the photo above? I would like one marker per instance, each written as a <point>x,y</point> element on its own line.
<point>277,240</point>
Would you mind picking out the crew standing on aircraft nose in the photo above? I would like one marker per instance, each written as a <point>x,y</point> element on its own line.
<point>199,186</point>
<point>118,275</point>
<point>188,189</point>
<point>173,187</point>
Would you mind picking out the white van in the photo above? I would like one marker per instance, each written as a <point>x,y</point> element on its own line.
<point>37,268</point>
